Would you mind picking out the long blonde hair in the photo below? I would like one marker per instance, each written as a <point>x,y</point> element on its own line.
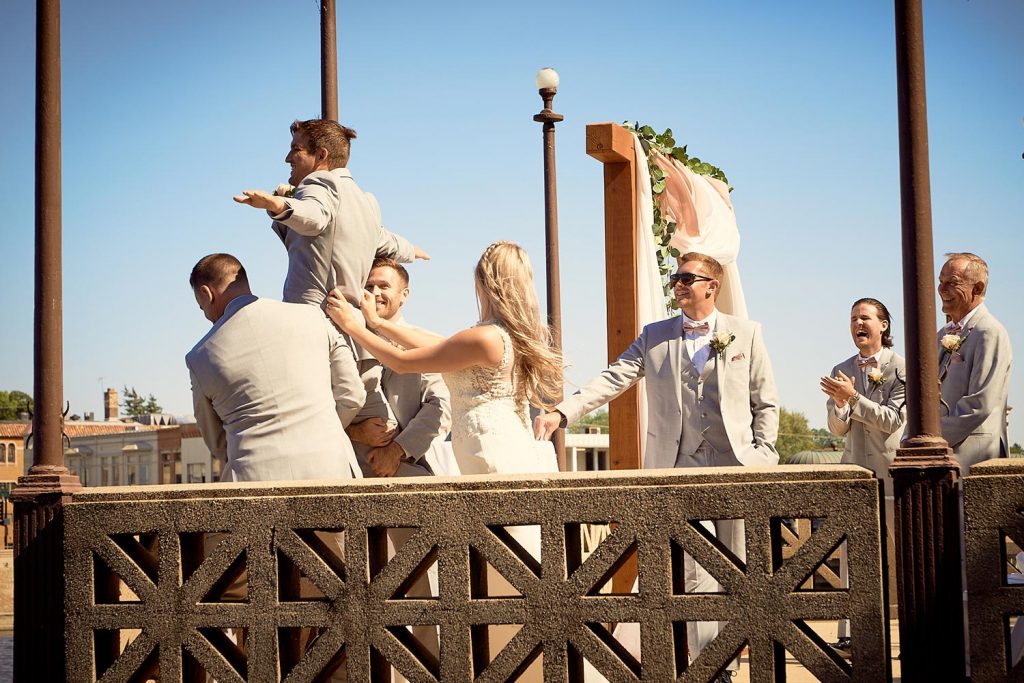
<point>505,286</point>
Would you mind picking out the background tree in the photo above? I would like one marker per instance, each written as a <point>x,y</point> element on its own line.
<point>14,402</point>
<point>596,419</point>
<point>794,435</point>
<point>135,406</point>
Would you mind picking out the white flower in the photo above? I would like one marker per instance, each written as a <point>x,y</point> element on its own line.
<point>875,376</point>
<point>284,190</point>
<point>720,340</point>
<point>952,342</point>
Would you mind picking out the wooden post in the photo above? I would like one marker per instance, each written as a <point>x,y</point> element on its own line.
<point>612,145</point>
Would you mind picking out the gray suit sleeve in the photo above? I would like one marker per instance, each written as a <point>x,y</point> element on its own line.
<point>764,398</point>
<point>313,207</point>
<point>626,371</point>
<point>207,419</point>
<point>432,420</point>
<point>347,385</point>
<point>395,246</point>
<point>987,389</point>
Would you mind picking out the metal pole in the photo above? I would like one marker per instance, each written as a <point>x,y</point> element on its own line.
<point>40,495</point>
<point>328,61</point>
<point>925,475</point>
<point>554,301</point>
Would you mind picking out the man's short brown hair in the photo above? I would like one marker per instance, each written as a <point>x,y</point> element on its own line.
<point>382,262</point>
<point>217,269</point>
<point>712,267</point>
<point>329,135</point>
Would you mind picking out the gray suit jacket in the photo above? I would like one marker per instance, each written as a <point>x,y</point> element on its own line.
<point>749,403</point>
<point>975,383</point>
<point>332,231</point>
<point>261,389</point>
<point>874,425</point>
<point>420,403</point>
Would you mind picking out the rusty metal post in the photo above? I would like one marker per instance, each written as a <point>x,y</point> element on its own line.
<point>328,61</point>
<point>925,475</point>
<point>40,495</point>
<point>554,300</point>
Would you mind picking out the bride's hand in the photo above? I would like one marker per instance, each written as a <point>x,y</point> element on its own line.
<point>340,310</point>
<point>368,304</point>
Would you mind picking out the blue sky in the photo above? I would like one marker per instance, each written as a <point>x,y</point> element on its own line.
<point>171,108</point>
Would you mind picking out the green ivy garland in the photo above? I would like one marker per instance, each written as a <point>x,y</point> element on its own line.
<point>663,228</point>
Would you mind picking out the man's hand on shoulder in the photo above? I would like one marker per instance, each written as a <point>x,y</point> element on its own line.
<point>372,432</point>
<point>545,425</point>
<point>384,461</point>
<point>258,199</point>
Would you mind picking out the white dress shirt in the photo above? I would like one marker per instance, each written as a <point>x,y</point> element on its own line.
<point>698,346</point>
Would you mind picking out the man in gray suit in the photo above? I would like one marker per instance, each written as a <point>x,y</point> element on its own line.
<point>262,382</point>
<point>330,227</point>
<point>405,415</point>
<point>710,395</point>
<point>866,397</point>
<point>975,359</point>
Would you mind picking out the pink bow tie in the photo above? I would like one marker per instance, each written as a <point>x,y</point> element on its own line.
<point>954,328</point>
<point>867,362</point>
<point>696,328</point>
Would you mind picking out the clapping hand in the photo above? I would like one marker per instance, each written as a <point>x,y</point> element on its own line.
<point>839,388</point>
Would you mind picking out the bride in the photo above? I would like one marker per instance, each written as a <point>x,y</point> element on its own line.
<point>493,369</point>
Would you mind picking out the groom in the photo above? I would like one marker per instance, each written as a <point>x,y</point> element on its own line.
<point>711,399</point>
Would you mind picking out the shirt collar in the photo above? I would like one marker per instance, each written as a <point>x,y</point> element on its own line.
<point>970,314</point>
<point>711,320</point>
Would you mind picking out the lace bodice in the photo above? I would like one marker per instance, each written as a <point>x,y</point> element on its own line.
<point>486,395</point>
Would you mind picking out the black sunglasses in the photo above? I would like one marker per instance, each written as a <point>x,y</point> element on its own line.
<point>687,278</point>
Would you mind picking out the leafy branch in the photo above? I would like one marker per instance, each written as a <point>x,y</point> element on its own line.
<point>663,228</point>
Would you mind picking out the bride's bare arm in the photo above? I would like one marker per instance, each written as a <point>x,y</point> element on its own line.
<point>476,346</point>
<point>404,336</point>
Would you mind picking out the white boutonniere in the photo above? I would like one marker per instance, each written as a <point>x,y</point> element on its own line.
<point>720,341</point>
<point>284,190</point>
<point>876,377</point>
<point>952,342</point>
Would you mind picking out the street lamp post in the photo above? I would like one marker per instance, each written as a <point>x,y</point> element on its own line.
<point>547,84</point>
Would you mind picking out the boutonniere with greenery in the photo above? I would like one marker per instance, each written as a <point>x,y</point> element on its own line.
<point>876,377</point>
<point>285,190</point>
<point>952,342</point>
<point>720,341</point>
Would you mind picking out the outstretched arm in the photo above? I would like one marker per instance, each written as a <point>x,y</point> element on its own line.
<point>408,337</point>
<point>477,346</point>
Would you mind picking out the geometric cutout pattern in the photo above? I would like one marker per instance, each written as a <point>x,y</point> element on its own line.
<point>298,581</point>
<point>993,497</point>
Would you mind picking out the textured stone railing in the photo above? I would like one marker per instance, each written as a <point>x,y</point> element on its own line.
<point>135,580</point>
<point>994,522</point>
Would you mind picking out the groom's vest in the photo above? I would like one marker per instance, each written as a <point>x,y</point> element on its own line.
<point>702,414</point>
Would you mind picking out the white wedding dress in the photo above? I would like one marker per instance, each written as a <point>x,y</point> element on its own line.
<point>491,431</point>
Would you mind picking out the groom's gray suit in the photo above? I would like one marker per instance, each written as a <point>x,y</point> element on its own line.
<point>261,388</point>
<point>727,414</point>
<point>732,404</point>
<point>975,383</point>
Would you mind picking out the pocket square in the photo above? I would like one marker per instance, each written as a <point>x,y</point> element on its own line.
<point>738,356</point>
<point>956,358</point>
